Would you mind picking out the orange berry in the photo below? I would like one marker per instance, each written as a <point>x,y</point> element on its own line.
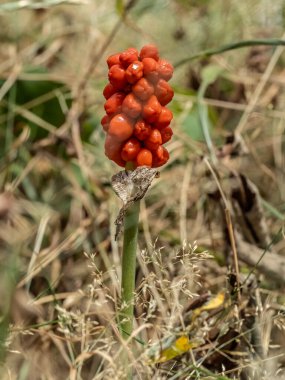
<point>166,134</point>
<point>130,149</point>
<point>109,90</point>
<point>142,130</point>
<point>121,127</point>
<point>143,89</point>
<point>158,153</point>
<point>165,69</point>
<point>150,67</point>
<point>113,150</point>
<point>131,106</point>
<point>160,157</point>
<point>149,51</point>
<point>134,72</point>
<point>113,59</point>
<point>144,158</point>
<point>105,121</point>
<point>117,76</point>
<point>154,140</point>
<point>129,56</point>
<point>164,118</point>
<point>114,103</point>
<point>151,109</point>
<point>163,92</point>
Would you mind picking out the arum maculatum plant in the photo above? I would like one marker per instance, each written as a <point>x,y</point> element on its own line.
<point>137,125</point>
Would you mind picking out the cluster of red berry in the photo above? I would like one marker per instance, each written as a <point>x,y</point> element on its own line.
<point>137,121</point>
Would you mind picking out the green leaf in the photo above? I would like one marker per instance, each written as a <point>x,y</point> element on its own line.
<point>210,73</point>
<point>120,7</point>
<point>89,126</point>
<point>16,5</point>
<point>42,98</point>
<point>272,210</point>
<point>192,126</point>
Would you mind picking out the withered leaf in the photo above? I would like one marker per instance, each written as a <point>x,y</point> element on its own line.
<point>248,200</point>
<point>234,146</point>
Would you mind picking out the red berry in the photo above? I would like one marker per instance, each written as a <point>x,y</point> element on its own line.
<point>150,67</point>
<point>151,109</point>
<point>164,118</point>
<point>129,56</point>
<point>166,134</point>
<point>109,90</point>
<point>113,59</point>
<point>105,121</point>
<point>121,127</point>
<point>149,51</point>
<point>143,89</point>
<point>142,130</point>
<point>113,150</point>
<point>160,157</point>
<point>134,72</point>
<point>117,76</point>
<point>114,103</point>
<point>154,140</point>
<point>130,149</point>
<point>144,158</point>
<point>165,69</point>
<point>163,92</point>
<point>131,106</point>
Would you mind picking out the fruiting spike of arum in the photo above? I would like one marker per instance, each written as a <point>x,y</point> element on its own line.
<point>137,124</point>
<point>137,121</point>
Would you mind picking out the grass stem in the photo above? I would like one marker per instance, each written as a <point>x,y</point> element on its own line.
<point>232,46</point>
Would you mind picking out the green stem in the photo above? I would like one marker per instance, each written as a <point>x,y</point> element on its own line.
<point>203,115</point>
<point>232,46</point>
<point>129,269</point>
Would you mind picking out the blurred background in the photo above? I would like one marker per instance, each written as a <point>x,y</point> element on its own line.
<point>59,262</point>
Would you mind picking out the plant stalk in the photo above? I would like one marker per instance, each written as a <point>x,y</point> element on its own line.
<point>232,46</point>
<point>129,269</point>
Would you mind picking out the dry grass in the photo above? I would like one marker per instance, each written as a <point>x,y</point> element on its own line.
<point>60,263</point>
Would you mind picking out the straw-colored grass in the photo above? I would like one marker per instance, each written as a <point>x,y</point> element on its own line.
<point>207,215</point>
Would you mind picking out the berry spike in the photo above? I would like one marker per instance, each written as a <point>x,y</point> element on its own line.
<point>137,121</point>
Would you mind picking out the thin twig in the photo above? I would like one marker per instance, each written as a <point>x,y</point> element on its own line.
<point>229,225</point>
<point>261,256</point>
<point>183,202</point>
<point>259,88</point>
